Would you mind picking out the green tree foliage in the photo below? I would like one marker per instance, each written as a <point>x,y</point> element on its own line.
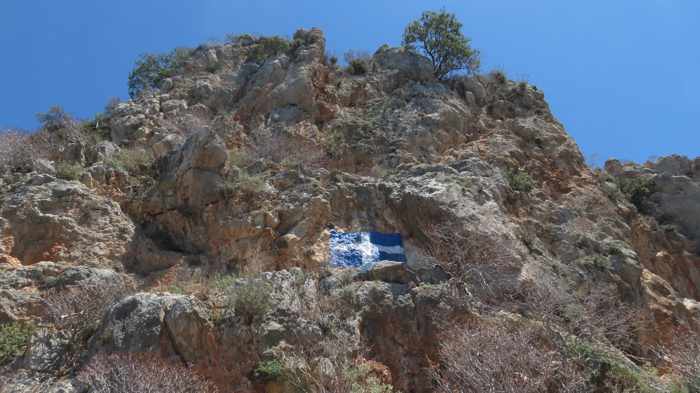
<point>439,37</point>
<point>14,339</point>
<point>520,181</point>
<point>358,62</point>
<point>637,189</point>
<point>268,47</point>
<point>151,69</point>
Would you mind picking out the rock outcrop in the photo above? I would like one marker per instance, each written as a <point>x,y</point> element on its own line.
<point>45,219</point>
<point>215,196</point>
<point>665,229</point>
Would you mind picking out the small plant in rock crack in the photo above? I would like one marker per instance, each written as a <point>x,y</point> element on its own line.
<point>358,62</point>
<point>14,340</point>
<point>269,370</point>
<point>248,299</point>
<point>637,190</point>
<point>69,171</point>
<point>131,160</point>
<point>520,181</point>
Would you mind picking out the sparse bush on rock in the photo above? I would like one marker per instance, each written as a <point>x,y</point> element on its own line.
<point>438,35</point>
<point>269,370</point>
<point>151,70</point>
<point>55,119</point>
<point>140,373</point>
<point>248,299</point>
<point>339,374</point>
<point>637,189</point>
<point>131,160</point>
<point>267,47</point>
<point>77,311</point>
<point>520,181</point>
<point>14,339</point>
<point>502,356</point>
<point>358,62</point>
<point>69,171</point>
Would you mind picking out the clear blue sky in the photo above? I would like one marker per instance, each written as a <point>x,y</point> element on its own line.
<point>618,73</point>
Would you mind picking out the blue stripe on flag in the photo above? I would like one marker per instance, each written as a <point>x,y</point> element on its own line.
<point>385,239</point>
<point>392,257</point>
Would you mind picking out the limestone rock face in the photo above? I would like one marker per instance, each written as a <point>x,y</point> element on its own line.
<point>406,63</point>
<point>230,177</point>
<point>149,322</point>
<point>46,219</point>
<point>22,288</point>
<point>667,227</point>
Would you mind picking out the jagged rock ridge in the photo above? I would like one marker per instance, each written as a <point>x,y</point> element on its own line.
<point>213,198</point>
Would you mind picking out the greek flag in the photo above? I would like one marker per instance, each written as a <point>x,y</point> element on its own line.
<point>364,249</point>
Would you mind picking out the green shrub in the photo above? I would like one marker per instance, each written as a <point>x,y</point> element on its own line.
<point>636,189</point>
<point>176,289</point>
<point>267,47</point>
<point>608,371</point>
<point>131,161</point>
<point>358,62</point>
<point>520,181</point>
<point>224,281</point>
<point>301,374</point>
<point>69,171</point>
<point>152,69</point>
<point>240,39</point>
<point>357,67</point>
<point>439,37</point>
<point>239,158</point>
<point>247,183</point>
<point>363,381</point>
<point>14,340</point>
<point>499,76</point>
<point>249,300</point>
<point>268,371</point>
<point>599,262</point>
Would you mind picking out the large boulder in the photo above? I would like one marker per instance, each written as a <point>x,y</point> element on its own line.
<point>46,219</point>
<point>149,322</point>
<point>405,62</point>
<point>22,288</point>
<point>131,120</point>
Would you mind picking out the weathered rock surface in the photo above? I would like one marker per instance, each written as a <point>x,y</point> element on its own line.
<point>255,160</point>
<point>666,229</point>
<point>45,219</point>
<point>149,322</point>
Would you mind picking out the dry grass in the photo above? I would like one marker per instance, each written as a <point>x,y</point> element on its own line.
<point>335,372</point>
<point>484,269</point>
<point>597,316</point>
<point>141,373</point>
<point>683,357</point>
<point>76,313</point>
<point>504,358</point>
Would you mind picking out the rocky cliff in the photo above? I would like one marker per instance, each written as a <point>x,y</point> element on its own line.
<point>191,224</point>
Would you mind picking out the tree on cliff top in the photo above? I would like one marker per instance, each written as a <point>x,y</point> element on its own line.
<point>439,37</point>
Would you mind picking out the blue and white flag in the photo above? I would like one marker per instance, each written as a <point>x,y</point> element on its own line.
<point>364,249</point>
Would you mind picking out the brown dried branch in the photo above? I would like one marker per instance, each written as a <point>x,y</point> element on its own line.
<point>495,357</point>
<point>141,373</point>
